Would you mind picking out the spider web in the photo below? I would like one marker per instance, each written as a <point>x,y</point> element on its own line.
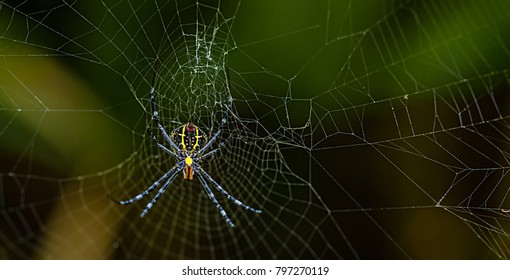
<point>362,129</point>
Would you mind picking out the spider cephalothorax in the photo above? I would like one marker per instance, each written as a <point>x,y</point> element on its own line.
<point>188,145</point>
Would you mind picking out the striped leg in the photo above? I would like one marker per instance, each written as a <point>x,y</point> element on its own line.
<point>213,198</point>
<point>160,192</point>
<point>172,172</point>
<point>200,171</point>
<point>212,152</point>
<point>217,134</point>
<point>149,130</point>
<point>155,117</point>
<point>165,149</point>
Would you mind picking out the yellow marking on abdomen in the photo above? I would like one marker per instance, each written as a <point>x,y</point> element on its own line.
<point>196,139</point>
<point>182,137</point>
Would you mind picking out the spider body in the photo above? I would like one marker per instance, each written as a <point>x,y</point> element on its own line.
<point>189,139</point>
<point>189,145</point>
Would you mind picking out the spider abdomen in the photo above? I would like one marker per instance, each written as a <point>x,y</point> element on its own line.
<point>189,137</point>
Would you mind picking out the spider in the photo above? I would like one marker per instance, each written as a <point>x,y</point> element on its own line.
<point>189,145</point>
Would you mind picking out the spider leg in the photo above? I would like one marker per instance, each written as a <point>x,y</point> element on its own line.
<point>155,117</point>
<point>160,192</point>
<point>155,139</point>
<point>165,149</point>
<point>208,144</point>
<point>217,134</point>
<point>200,171</point>
<point>212,152</point>
<point>171,172</point>
<point>223,119</point>
<point>214,200</point>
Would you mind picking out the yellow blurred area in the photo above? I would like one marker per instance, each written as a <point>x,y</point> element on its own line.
<point>59,122</point>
